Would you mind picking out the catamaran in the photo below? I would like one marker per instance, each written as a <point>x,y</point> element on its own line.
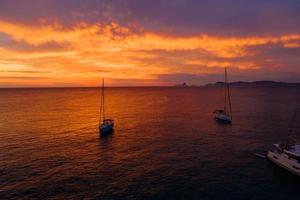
<point>222,114</point>
<point>287,155</point>
<point>105,125</point>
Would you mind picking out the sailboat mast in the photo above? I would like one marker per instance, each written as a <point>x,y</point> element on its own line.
<point>101,118</point>
<point>294,118</point>
<point>225,89</point>
<point>229,99</point>
<point>103,98</point>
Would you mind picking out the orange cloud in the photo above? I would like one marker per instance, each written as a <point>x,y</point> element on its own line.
<point>88,52</point>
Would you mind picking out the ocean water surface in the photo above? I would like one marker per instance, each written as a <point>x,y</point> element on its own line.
<point>166,144</point>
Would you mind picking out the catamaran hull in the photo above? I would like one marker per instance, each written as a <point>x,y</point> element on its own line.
<point>283,161</point>
<point>105,129</point>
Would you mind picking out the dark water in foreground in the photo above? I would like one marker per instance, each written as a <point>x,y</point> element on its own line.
<point>166,144</point>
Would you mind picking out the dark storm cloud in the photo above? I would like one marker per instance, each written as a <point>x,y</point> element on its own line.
<point>233,17</point>
<point>65,11</point>
<point>184,17</point>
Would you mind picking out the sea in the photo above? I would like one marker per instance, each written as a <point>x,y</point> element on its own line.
<point>166,143</point>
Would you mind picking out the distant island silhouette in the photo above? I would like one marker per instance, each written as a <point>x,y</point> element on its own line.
<point>184,84</point>
<point>254,84</point>
<point>245,84</point>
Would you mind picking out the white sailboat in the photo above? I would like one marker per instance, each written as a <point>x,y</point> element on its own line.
<point>287,155</point>
<point>222,114</point>
<point>105,125</point>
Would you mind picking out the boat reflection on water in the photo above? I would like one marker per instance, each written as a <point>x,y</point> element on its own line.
<point>106,139</point>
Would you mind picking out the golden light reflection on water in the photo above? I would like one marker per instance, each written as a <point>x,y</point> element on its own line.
<point>163,137</point>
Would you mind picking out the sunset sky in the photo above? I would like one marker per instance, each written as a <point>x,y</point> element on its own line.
<point>147,42</point>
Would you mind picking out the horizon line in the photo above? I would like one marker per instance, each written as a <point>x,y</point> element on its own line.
<point>145,86</point>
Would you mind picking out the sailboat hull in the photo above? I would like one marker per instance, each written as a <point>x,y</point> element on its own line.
<point>223,117</point>
<point>106,129</point>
